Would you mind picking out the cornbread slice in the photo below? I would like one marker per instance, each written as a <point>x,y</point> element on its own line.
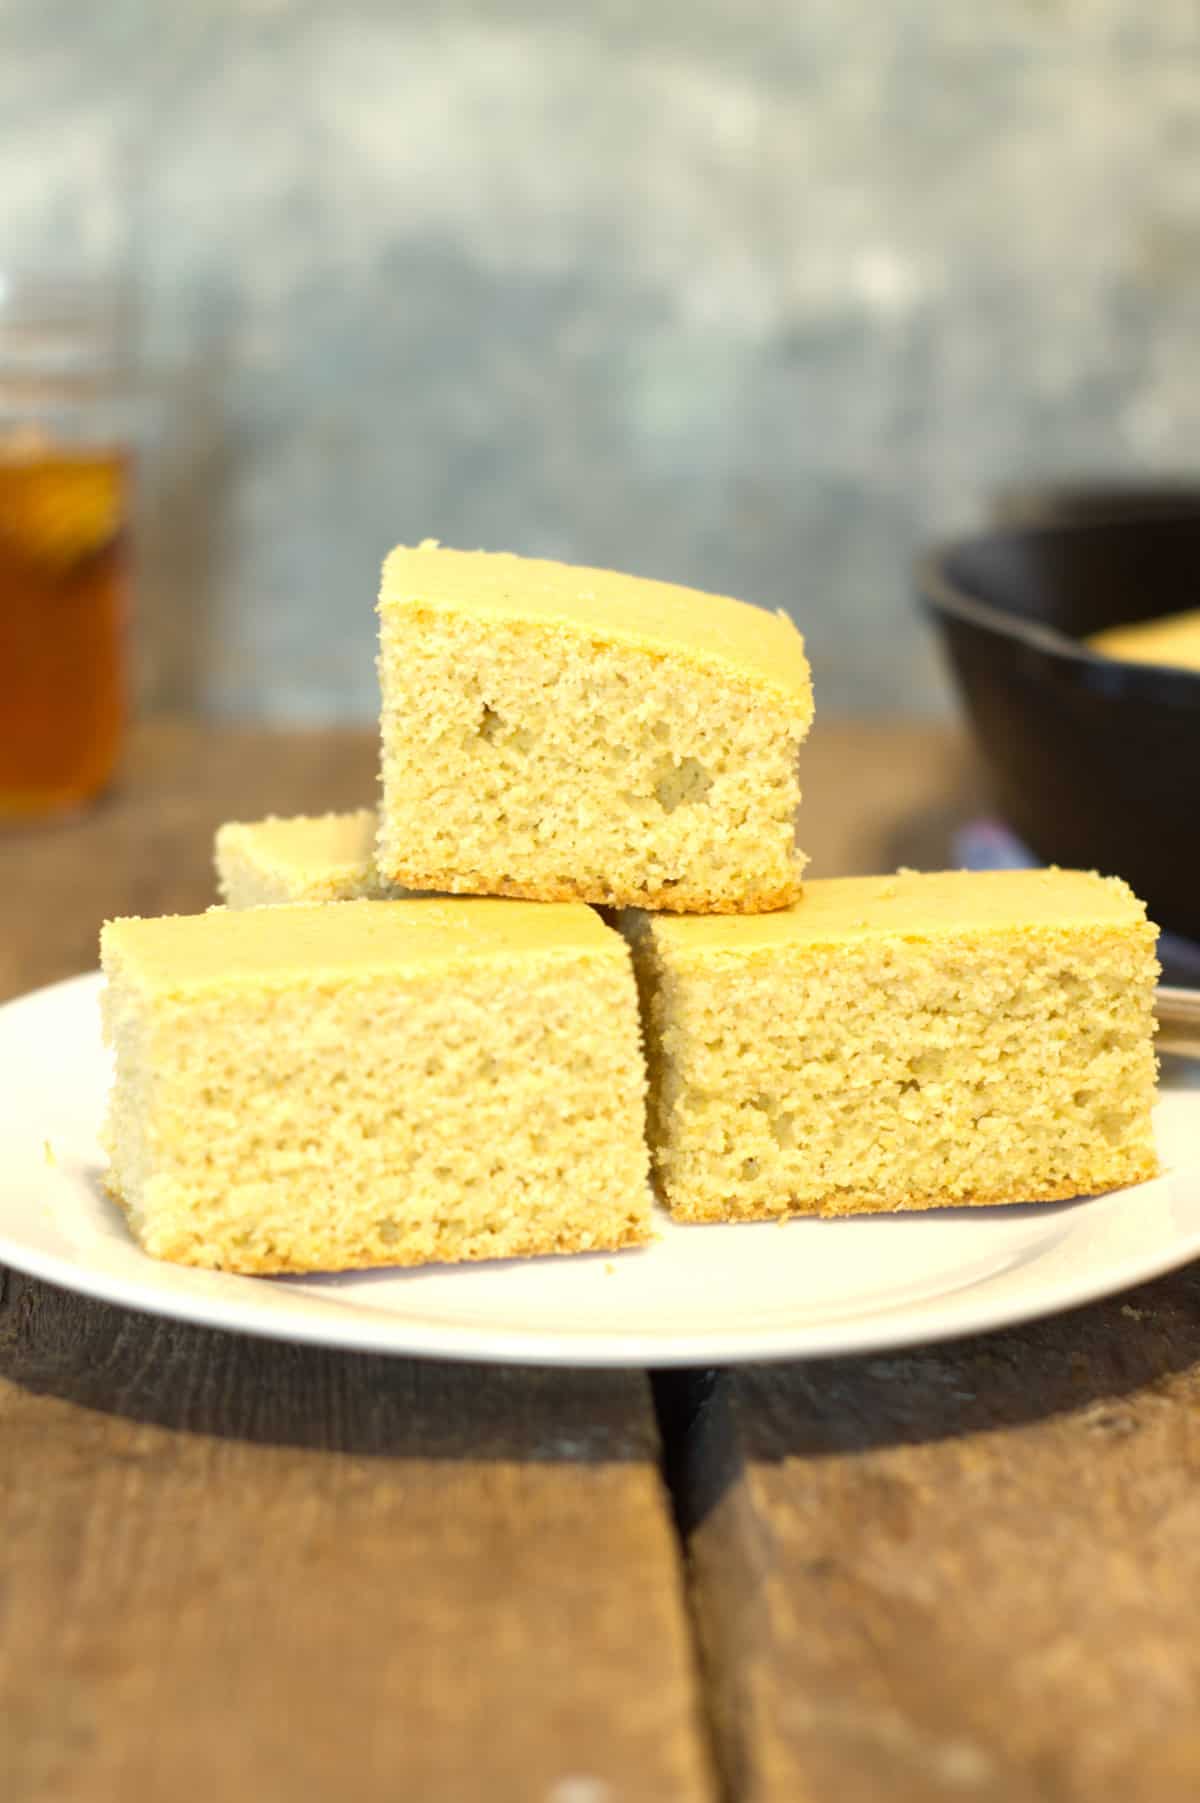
<point>564,733</point>
<point>903,1042</point>
<point>374,1083</point>
<point>307,858</point>
<point>1173,640</point>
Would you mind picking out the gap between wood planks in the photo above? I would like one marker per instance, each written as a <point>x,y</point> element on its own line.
<point>679,1396</point>
<point>958,1570</point>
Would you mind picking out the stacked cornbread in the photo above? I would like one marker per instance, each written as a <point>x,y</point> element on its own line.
<point>309,858</point>
<point>568,734</point>
<point>386,1069</point>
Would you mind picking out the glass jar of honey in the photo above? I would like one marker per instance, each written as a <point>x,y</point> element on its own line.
<point>66,472</point>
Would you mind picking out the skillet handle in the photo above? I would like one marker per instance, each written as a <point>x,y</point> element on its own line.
<point>1178,1013</point>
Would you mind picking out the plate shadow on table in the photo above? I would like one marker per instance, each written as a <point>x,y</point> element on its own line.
<point>183,1378</point>
<point>1089,1363</point>
<point>195,1379</point>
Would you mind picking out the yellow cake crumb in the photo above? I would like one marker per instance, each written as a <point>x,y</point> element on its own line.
<point>559,733</point>
<point>971,1038</point>
<point>304,858</point>
<point>374,1083</point>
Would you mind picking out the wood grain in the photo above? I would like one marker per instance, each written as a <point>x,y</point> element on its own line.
<point>235,1569</point>
<point>241,1570</point>
<point>968,1572</point>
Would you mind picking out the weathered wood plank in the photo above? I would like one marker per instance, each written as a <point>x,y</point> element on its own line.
<point>232,1568</point>
<point>961,1572</point>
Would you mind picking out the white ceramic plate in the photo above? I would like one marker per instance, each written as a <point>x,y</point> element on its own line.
<point>699,1296</point>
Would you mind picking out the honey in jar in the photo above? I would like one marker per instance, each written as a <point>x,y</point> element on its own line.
<point>64,581</point>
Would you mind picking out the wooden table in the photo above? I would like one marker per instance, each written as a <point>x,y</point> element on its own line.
<point>236,1570</point>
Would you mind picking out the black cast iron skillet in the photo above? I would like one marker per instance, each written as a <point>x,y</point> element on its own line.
<point>1095,762</point>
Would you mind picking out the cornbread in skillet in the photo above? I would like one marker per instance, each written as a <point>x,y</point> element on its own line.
<point>1173,640</point>
<point>307,858</point>
<point>374,1083</point>
<point>901,1042</point>
<point>561,733</point>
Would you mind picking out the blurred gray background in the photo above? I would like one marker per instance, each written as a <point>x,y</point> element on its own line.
<point>751,295</point>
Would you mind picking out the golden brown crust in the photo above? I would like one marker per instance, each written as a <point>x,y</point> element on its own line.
<point>835,1207</point>
<point>678,899</point>
<point>530,1245</point>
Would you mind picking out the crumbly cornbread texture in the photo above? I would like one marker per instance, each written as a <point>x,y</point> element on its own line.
<point>901,1042</point>
<point>306,858</point>
<point>375,1083</point>
<point>555,732</point>
<point>1174,640</point>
